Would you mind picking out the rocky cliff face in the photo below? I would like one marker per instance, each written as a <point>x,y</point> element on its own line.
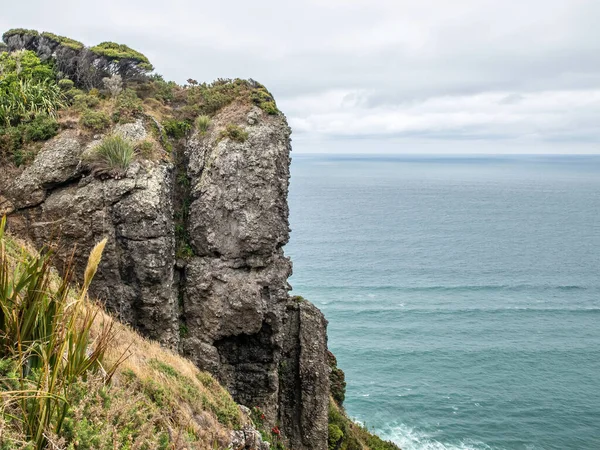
<point>225,305</point>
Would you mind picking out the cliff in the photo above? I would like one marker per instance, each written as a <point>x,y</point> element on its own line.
<point>196,223</point>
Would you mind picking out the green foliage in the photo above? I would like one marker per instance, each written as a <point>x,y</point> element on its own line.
<point>41,128</point>
<point>14,139</point>
<point>19,31</point>
<point>335,437</point>
<point>3,47</point>
<point>128,107</point>
<point>222,405</point>
<point>117,52</point>
<point>234,132</point>
<point>95,120</point>
<point>176,128</point>
<point>264,100</point>
<point>108,417</point>
<point>48,333</point>
<point>83,101</point>
<point>27,88</point>
<point>65,84</point>
<point>62,40</point>
<point>114,153</point>
<point>184,251</point>
<point>337,380</point>
<point>353,436</point>
<point>162,90</point>
<point>269,107</point>
<point>145,149</point>
<point>202,123</point>
<point>24,65</point>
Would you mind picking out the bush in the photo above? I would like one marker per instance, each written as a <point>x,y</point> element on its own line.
<point>95,120</point>
<point>162,90</point>
<point>113,58</point>
<point>114,153</point>
<point>128,107</point>
<point>19,31</point>
<point>202,123</point>
<point>335,437</point>
<point>41,128</point>
<point>27,88</point>
<point>62,40</point>
<point>264,100</point>
<point>114,85</point>
<point>145,149</point>
<point>13,139</point>
<point>176,128</point>
<point>83,101</point>
<point>235,133</point>
<point>65,84</point>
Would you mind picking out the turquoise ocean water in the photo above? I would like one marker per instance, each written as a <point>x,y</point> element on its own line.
<point>463,294</point>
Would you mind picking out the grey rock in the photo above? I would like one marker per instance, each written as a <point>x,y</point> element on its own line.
<point>134,131</point>
<point>231,297</point>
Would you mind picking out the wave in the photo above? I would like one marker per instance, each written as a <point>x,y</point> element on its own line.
<point>408,438</point>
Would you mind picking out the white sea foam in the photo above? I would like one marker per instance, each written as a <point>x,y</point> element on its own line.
<point>410,439</point>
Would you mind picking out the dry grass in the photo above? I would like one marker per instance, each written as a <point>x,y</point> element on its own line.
<point>154,400</point>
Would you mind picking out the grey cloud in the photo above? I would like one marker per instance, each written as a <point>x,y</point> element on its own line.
<point>376,70</point>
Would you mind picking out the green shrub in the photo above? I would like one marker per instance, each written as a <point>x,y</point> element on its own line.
<point>234,132</point>
<point>202,123</point>
<point>145,149</point>
<point>114,153</point>
<point>95,120</point>
<point>41,128</point>
<point>264,100</point>
<point>176,128</point>
<point>65,84</point>
<point>337,380</point>
<point>62,40</point>
<point>269,107</point>
<point>335,437</point>
<point>83,101</point>
<point>14,139</point>
<point>27,88</point>
<point>118,52</point>
<point>128,107</point>
<point>19,31</point>
<point>162,90</point>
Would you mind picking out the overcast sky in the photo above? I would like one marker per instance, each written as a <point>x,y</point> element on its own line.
<point>374,76</point>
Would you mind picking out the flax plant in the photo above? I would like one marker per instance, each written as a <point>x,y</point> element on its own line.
<point>45,329</point>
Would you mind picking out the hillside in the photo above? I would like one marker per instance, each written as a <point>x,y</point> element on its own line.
<point>188,185</point>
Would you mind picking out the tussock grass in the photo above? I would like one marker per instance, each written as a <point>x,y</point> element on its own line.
<point>113,156</point>
<point>202,123</point>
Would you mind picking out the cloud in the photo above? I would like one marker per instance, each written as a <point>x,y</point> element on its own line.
<point>522,73</point>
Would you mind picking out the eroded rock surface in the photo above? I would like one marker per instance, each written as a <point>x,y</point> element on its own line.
<point>226,304</point>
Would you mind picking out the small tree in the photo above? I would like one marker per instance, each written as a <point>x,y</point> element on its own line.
<point>120,59</point>
<point>114,85</point>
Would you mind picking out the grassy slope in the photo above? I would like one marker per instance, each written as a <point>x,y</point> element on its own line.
<point>155,400</point>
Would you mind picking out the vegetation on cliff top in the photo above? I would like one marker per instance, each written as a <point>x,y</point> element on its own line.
<point>49,82</point>
<point>77,379</point>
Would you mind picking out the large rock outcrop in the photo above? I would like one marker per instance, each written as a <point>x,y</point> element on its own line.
<point>225,305</point>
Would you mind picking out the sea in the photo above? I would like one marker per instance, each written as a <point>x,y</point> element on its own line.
<point>462,293</point>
